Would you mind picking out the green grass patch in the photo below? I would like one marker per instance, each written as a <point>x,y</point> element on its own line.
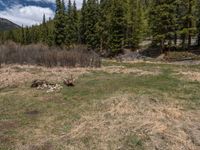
<point>100,85</point>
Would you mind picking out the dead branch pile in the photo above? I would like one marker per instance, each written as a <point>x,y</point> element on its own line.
<point>45,85</point>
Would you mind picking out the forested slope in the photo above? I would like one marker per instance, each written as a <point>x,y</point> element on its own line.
<point>111,26</point>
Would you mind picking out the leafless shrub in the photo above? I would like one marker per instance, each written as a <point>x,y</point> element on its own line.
<point>38,54</point>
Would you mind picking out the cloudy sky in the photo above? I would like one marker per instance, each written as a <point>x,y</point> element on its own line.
<point>28,12</point>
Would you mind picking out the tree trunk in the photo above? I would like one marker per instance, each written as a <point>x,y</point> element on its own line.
<point>175,39</point>
<point>101,45</point>
<point>183,41</point>
<point>189,40</point>
<point>198,40</point>
<point>189,24</point>
<point>162,46</point>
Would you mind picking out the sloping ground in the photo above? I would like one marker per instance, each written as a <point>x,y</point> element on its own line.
<point>7,25</point>
<point>123,106</point>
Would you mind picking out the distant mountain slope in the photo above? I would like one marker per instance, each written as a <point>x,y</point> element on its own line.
<point>7,25</point>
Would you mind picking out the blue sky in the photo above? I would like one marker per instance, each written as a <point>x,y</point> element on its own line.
<point>28,12</point>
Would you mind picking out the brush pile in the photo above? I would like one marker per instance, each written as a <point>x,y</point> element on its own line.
<point>45,85</point>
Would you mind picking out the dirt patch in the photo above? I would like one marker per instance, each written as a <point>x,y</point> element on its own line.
<point>32,112</point>
<point>159,125</point>
<point>7,125</point>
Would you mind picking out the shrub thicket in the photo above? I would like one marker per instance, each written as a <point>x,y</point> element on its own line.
<point>38,54</point>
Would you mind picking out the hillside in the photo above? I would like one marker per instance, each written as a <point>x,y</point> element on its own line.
<point>7,25</point>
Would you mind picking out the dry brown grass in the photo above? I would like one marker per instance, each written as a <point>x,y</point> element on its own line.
<point>190,75</point>
<point>17,75</point>
<point>161,125</point>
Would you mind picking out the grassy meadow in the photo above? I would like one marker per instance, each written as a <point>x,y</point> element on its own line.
<point>124,106</point>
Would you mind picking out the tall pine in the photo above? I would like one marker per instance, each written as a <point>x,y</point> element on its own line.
<point>82,24</point>
<point>59,23</point>
<point>162,22</point>
<point>91,20</point>
<point>117,28</point>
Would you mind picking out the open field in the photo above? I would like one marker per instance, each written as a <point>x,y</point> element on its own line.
<point>120,106</point>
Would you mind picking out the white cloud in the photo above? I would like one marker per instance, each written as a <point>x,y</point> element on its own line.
<point>78,2</point>
<point>26,15</point>
<point>30,15</point>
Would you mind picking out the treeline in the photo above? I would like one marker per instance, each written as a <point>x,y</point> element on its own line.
<point>29,35</point>
<point>109,26</point>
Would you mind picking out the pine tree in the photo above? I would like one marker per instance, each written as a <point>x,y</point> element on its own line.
<point>75,23</point>
<point>59,23</point>
<point>27,36</point>
<point>71,24</point>
<point>162,22</point>
<point>198,22</point>
<point>44,31</point>
<point>22,35</point>
<point>91,20</point>
<point>135,23</point>
<point>190,20</point>
<point>103,24</point>
<point>117,28</point>
<point>82,25</point>
<point>186,21</point>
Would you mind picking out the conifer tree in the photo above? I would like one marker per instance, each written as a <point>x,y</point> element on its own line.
<point>162,22</point>
<point>71,24</point>
<point>135,23</point>
<point>117,28</point>
<point>59,23</point>
<point>198,23</point>
<point>186,21</point>
<point>82,24</point>
<point>91,20</point>
<point>22,35</point>
<point>75,23</point>
<point>44,31</point>
<point>27,36</point>
<point>103,24</point>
